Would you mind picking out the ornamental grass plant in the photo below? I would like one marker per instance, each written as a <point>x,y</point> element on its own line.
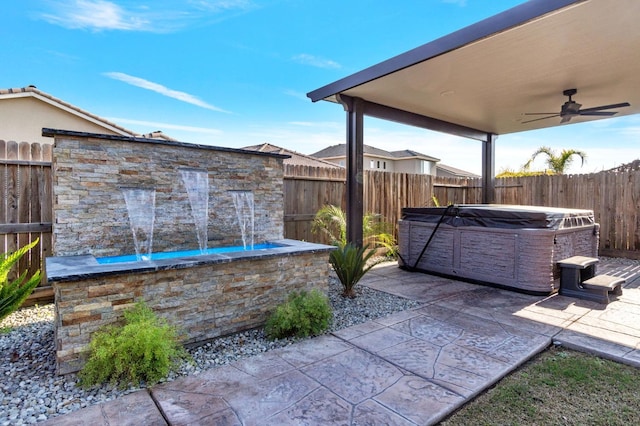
<point>143,350</point>
<point>303,314</point>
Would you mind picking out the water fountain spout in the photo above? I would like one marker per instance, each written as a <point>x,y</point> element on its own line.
<point>243,202</point>
<point>197,183</point>
<point>141,203</point>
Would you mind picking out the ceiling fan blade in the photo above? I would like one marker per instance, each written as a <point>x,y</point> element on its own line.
<point>566,118</point>
<point>602,113</point>
<point>538,119</point>
<point>612,106</point>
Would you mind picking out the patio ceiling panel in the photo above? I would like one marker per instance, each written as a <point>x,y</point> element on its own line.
<point>489,83</point>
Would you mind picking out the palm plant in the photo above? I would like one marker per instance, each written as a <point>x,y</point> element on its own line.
<point>14,293</point>
<point>331,221</point>
<point>557,163</point>
<point>350,264</point>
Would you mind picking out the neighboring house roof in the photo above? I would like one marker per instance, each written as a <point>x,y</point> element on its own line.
<point>53,118</point>
<point>407,153</point>
<point>448,171</point>
<point>32,91</point>
<point>337,151</point>
<point>628,167</point>
<point>295,157</point>
<point>158,135</point>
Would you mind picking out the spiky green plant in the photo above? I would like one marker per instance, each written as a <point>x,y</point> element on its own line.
<point>350,264</point>
<point>14,293</point>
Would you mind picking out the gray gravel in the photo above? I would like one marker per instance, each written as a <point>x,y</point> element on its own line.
<point>30,391</point>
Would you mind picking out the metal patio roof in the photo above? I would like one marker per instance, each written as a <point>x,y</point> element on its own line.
<point>480,81</point>
<point>486,76</point>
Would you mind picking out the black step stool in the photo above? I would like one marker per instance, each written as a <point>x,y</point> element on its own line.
<point>578,279</point>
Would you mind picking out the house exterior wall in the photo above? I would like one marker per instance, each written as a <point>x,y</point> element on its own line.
<point>415,166</point>
<point>378,163</point>
<point>90,215</point>
<point>24,117</point>
<point>382,164</point>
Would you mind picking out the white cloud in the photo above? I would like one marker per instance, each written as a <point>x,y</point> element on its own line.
<point>319,124</point>
<point>315,61</point>
<point>221,5</point>
<point>96,15</point>
<point>295,94</point>
<point>164,126</point>
<point>165,91</point>
<point>460,3</point>
<point>103,15</point>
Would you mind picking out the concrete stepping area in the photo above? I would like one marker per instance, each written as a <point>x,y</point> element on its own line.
<point>411,368</point>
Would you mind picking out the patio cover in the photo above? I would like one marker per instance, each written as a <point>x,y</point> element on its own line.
<point>479,82</point>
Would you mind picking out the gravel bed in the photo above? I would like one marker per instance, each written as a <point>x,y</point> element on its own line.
<point>30,391</point>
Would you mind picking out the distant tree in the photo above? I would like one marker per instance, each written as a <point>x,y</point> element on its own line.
<point>557,163</point>
<point>509,173</point>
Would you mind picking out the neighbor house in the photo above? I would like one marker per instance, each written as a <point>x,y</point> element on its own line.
<point>405,161</point>
<point>378,159</point>
<point>25,111</point>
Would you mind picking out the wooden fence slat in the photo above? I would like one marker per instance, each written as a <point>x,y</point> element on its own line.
<point>11,243</point>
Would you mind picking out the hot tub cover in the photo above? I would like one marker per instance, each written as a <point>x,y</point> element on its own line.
<point>501,216</point>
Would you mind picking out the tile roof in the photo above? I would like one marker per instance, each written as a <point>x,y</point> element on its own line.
<point>455,171</point>
<point>407,153</point>
<point>341,151</point>
<point>296,158</point>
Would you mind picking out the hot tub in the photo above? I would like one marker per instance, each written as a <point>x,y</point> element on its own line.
<point>514,247</point>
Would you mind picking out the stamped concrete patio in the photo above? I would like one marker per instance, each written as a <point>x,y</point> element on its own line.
<point>413,367</point>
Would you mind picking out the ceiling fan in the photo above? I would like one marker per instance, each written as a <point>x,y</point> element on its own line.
<point>571,109</point>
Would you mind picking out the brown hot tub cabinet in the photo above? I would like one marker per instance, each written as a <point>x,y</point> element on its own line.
<point>515,247</point>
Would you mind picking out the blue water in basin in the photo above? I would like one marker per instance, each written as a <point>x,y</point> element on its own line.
<point>185,253</point>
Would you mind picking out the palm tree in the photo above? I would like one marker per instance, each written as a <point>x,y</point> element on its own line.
<point>332,221</point>
<point>557,163</point>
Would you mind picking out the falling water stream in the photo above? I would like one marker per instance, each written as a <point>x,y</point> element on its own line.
<point>197,183</point>
<point>243,202</point>
<point>141,205</point>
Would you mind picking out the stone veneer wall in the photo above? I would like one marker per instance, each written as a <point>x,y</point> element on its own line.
<point>204,301</point>
<point>90,215</point>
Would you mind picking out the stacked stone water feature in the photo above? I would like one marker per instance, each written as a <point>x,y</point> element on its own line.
<point>194,188</point>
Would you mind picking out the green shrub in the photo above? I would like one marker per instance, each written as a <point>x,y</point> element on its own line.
<point>303,314</point>
<point>12,294</point>
<point>350,264</point>
<point>144,349</point>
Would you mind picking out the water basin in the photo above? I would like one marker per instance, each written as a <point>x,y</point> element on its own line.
<point>185,253</point>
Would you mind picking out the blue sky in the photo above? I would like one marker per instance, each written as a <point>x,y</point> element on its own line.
<point>236,72</point>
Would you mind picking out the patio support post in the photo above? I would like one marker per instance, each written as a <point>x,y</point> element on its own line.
<point>355,149</point>
<point>489,168</point>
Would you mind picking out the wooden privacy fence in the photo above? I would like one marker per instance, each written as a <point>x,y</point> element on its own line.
<point>307,189</point>
<point>26,205</point>
<point>26,200</point>
<point>613,196</point>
